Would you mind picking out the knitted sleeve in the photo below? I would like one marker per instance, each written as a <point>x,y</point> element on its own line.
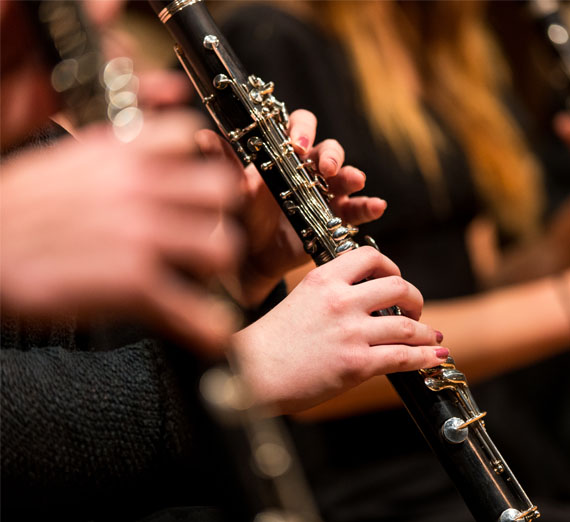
<point>81,427</point>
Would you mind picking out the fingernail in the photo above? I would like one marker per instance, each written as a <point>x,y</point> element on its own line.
<point>363,175</point>
<point>441,353</point>
<point>303,143</point>
<point>438,336</point>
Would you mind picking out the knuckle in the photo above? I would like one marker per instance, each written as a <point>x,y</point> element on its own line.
<point>370,255</point>
<point>407,328</point>
<point>400,357</point>
<point>428,360</point>
<point>336,302</point>
<point>388,265</point>
<point>354,364</point>
<point>420,299</point>
<point>315,278</point>
<point>398,285</point>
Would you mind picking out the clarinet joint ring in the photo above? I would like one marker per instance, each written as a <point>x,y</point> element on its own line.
<point>173,8</point>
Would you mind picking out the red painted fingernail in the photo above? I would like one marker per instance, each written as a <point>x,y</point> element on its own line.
<point>438,336</point>
<point>303,143</point>
<point>441,353</point>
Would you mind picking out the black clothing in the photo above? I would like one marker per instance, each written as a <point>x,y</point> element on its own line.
<point>102,422</point>
<point>95,424</point>
<point>310,72</point>
<point>377,466</point>
<point>85,433</point>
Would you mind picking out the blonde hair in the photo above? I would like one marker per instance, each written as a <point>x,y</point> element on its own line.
<point>461,75</point>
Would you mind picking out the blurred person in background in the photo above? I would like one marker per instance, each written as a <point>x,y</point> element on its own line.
<point>106,247</point>
<point>422,98</point>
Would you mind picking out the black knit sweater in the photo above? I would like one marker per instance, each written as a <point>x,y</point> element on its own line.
<point>103,423</point>
<point>86,432</point>
<point>95,422</point>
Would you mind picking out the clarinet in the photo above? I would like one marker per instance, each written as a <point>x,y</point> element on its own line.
<point>90,88</point>
<point>255,122</point>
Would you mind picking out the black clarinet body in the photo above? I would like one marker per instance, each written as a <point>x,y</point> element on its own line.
<point>254,122</point>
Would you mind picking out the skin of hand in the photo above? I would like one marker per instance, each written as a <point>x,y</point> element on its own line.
<point>104,226</point>
<point>523,324</point>
<point>328,339</point>
<point>273,246</point>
